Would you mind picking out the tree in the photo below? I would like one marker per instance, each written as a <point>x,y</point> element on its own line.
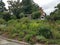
<point>58,6</point>
<point>15,7</point>
<point>2,6</point>
<point>2,9</point>
<point>26,7</point>
<point>29,6</point>
<point>56,14</point>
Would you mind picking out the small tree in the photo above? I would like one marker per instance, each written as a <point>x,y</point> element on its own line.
<point>15,7</point>
<point>29,6</point>
<point>56,14</point>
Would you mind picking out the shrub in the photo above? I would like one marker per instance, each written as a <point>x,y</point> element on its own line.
<point>1,15</point>
<point>12,22</point>
<point>45,31</point>
<point>58,21</point>
<point>41,39</point>
<point>12,17</point>
<point>22,15</point>
<point>2,29</point>
<point>2,21</point>
<point>21,34</point>
<point>25,20</point>
<point>28,37</point>
<point>6,16</point>
<point>31,31</point>
<point>36,15</point>
<point>53,41</point>
<point>56,34</point>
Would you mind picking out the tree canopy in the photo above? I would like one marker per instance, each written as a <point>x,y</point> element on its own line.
<point>26,7</point>
<point>2,6</point>
<point>55,15</point>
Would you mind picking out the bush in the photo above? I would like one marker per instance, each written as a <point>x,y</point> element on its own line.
<point>6,16</point>
<point>22,15</point>
<point>36,15</point>
<point>45,31</point>
<point>2,29</point>
<point>31,31</point>
<point>21,34</point>
<point>56,34</point>
<point>41,39</point>
<point>2,21</point>
<point>53,41</point>
<point>25,20</point>
<point>1,15</point>
<point>58,22</point>
<point>28,38</point>
<point>12,17</point>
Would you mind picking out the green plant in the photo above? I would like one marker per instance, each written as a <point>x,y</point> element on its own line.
<point>41,39</point>
<point>45,31</point>
<point>22,15</point>
<point>12,17</point>
<point>28,37</point>
<point>2,21</point>
<point>36,15</point>
<point>21,34</point>
<point>25,20</point>
<point>6,16</point>
<point>53,41</point>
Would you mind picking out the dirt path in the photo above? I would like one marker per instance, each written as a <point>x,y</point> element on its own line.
<point>5,42</point>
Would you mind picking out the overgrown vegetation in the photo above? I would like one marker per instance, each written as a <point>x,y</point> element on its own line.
<point>23,27</point>
<point>31,31</point>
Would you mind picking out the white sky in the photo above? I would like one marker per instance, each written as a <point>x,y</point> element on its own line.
<point>47,5</point>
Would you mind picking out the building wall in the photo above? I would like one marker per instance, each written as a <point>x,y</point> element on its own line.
<point>43,14</point>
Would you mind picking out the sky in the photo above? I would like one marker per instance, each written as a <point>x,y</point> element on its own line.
<point>47,5</point>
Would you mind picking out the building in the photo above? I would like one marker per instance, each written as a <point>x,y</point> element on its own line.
<point>43,14</point>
